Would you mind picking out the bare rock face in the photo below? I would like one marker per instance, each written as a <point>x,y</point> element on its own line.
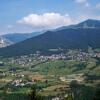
<point>4,42</point>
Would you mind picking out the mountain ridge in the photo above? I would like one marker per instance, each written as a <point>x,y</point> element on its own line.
<point>90,22</point>
<point>18,37</point>
<point>69,38</point>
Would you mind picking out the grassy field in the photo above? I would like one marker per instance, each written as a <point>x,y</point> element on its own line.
<point>46,76</point>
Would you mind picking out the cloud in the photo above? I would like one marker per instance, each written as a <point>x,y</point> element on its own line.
<point>80,1</point>
<point>46,20</point>
<point>85,2</point>
<point>98,6</point>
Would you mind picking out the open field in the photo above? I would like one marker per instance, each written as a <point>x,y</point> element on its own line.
<point>51,77</point>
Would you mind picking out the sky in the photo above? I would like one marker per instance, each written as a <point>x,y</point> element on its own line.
<point>25,16</point>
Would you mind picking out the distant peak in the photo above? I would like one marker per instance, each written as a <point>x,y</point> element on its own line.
<point>89,23</point>
<point>92,20</point>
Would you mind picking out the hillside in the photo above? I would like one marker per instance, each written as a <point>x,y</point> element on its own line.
<point>18,37</point>
<point>69,38</point>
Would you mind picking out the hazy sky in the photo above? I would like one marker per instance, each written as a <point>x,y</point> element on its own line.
<point>34,15</point>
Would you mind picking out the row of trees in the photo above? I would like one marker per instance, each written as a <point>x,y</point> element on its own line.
<point>77,92</point>
<point>82,92</point>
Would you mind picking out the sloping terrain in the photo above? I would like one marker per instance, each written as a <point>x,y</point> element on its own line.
<point>70,38</point>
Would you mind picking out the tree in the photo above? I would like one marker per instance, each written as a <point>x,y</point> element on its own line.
<point>34,95</point>
<point>97,94</point>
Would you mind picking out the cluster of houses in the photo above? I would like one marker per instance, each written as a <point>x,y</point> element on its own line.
<point>96,55</point>
<point>56,98</point>
<point>2,74</point>
<point>81,56</point>
<point>22,60</point>
<point>20,82</point>
<point>28,59</point>
<point>18,75</point>
<point>52,57</point>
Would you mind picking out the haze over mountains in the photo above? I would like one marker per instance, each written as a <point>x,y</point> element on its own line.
<point>18,37</point>
<point>78,36</point>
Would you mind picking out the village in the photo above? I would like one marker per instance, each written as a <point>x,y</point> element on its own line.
<point>37,58</point>
<point>27,60</point>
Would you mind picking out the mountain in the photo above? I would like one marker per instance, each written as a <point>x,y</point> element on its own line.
<point>18,37</point>
<point>69,38</point>
<point>90,23</point>
<point>4,42</point>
